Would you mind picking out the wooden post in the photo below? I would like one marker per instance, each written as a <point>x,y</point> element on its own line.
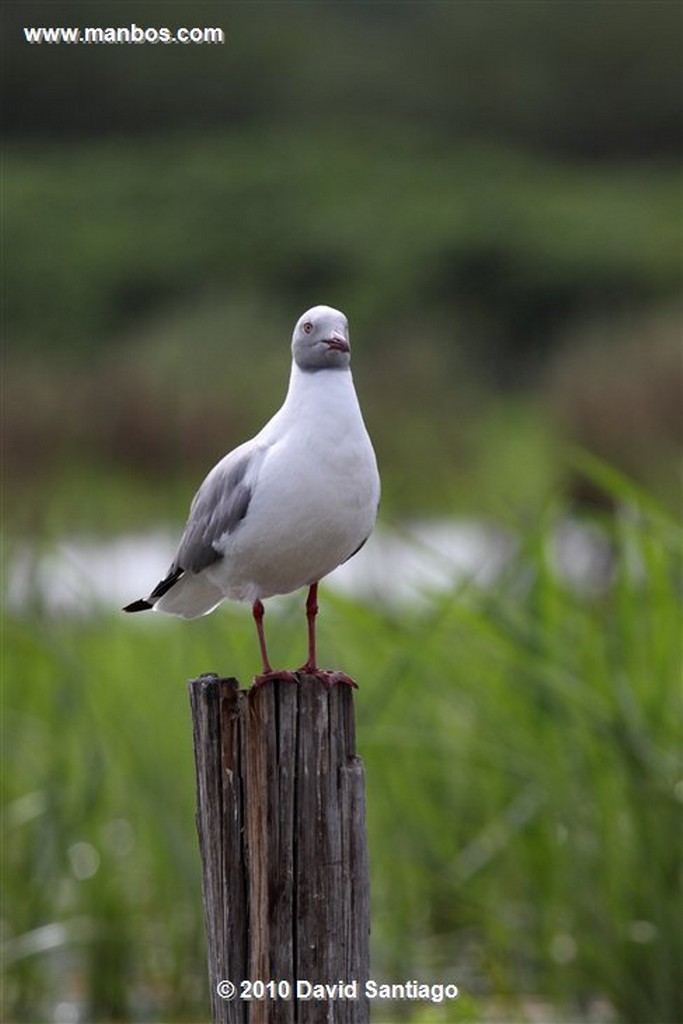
<point>281,823</point>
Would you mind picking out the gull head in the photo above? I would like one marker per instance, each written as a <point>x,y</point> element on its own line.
<point>321,340</point>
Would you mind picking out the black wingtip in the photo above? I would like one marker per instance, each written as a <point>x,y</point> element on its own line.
<point>138,606</point>
<point>144,605</point>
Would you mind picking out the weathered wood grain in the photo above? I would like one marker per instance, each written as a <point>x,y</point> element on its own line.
<point>281,822</point>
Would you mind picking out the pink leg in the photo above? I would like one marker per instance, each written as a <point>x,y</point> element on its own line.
<point>258,612</point>
<point>329,678</point>
<point>268,673</point>
<point>311,612</point>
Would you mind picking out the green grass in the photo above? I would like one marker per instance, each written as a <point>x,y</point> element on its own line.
<point>524,791</point>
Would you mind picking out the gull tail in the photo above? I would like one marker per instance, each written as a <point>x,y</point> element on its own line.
<point>145,604</point>
<point>181,593</point>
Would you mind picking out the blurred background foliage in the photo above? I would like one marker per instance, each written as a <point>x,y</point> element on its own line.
<point>491,192</point>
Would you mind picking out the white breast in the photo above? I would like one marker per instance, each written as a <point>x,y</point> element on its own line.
<point>315,499</point>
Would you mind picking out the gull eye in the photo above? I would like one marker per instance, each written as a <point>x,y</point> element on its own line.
<point>308,327</point>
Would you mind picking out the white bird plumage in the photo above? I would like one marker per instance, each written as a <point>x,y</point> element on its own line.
<point>286,508</point>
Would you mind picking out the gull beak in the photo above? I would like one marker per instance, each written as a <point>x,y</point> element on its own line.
<point>338,342</point>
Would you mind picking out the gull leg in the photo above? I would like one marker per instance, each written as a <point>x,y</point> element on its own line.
<point>311,612</point>
<point>258,612</point>
<point>326,676</point>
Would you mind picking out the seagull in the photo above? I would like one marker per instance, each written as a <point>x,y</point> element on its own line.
<point>284,509</point>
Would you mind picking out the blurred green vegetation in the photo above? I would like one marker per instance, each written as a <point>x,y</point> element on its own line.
<point>591,80</point>
<point>490,191</point>
<point>492,248</point>
<point>166,274</point>
<point>524,791</point>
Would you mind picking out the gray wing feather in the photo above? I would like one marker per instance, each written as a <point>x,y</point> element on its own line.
<point>219,506</point>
